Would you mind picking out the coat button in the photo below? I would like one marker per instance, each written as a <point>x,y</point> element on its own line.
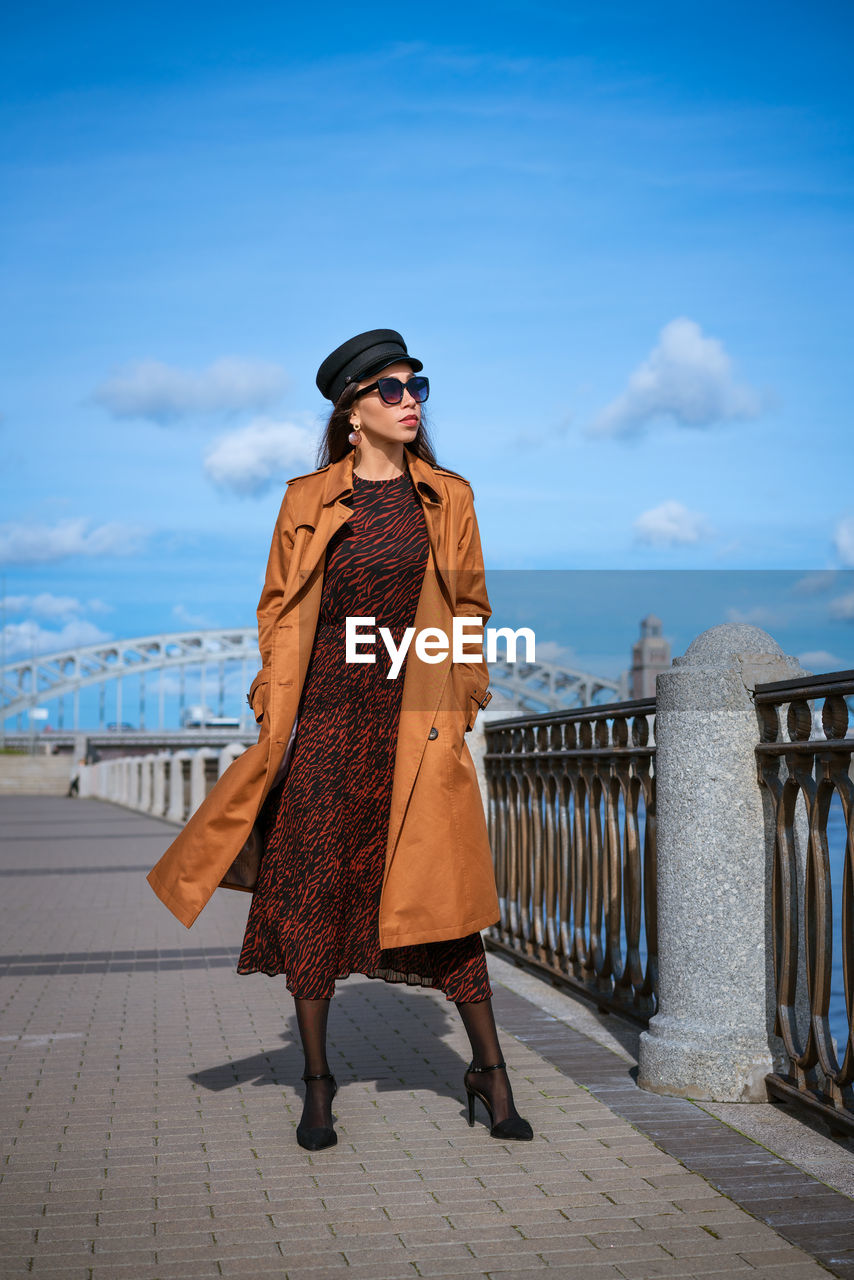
<point>434,732</point>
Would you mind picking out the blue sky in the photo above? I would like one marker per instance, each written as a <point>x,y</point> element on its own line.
<point>618,237</point>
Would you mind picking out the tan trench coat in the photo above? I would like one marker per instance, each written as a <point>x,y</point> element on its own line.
<point>438,881</point>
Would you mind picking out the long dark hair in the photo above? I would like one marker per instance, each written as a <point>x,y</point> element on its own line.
<point>334,444</point>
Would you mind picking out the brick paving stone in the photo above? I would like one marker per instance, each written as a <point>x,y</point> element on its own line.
<point>59,1270</point>
<point>168,1120</point>
<point>469,1267</point>
<point>323,1245</point>
<point>568,1271</point>
<point>798,1271</point>
<point>607,1209</point>
<point>614,1255</point>
<point>452,1256</point>
<point>498,1231</point>
<point>610,1239</point>
<point>589,1228</point>
<point>398,1272</point>
<point>663,1267</point>
<point>769,1257</point>
<point>241,1268</point>
<point>701,1248</point>
<point>492,1248</point>
<point>717,1217</point>
<point>183,1271</point>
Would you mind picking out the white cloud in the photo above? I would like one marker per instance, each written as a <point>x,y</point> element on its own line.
<point>843,539</point>
<point>819,660</point>
<point>24,638</point>
<point>842,607</point>
<point>248,460</point>
<point>687,377</point>
<point>50,607</point>
<point>38,543</point>
<point>189,619</point>
<point>728,549</point>
<point>561,655</point>
<point>164,393</point>
<point>671,524</point>
<point>814,583</point>
<point>757,615</point>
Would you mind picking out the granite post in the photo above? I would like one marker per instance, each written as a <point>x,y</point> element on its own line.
<point>712,1036</point>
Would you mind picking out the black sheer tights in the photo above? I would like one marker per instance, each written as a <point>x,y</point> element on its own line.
<point>478,1020</point>
<point>312,1016</point>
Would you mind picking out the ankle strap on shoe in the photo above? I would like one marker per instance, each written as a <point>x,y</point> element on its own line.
<point>324,1076</point>
<point>495,1066</point>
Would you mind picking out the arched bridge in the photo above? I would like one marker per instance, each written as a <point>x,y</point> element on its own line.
<point>162,681</point>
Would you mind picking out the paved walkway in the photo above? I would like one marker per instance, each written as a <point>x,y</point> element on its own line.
<point>149,1103</point>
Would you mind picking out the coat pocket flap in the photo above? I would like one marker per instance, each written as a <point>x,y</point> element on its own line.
<point>261,680</point>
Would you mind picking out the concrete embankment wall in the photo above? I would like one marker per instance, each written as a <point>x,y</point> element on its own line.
<point>34,775</point>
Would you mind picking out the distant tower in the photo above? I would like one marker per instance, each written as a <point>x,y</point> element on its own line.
<point>650,655</point>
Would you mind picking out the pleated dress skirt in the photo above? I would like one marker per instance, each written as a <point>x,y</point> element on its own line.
<point>314,914</point>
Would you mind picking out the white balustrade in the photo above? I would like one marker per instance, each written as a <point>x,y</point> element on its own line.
<point>179,800</point>
<point>159,765</point>
<point>198,776</point>
<point>228,755</point>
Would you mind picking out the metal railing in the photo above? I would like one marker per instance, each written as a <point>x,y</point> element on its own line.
<point>804,759</point>
<point>572,826</point>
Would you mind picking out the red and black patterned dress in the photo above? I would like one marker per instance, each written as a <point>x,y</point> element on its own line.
<point>314,912</point>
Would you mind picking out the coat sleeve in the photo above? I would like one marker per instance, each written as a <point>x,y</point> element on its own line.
<point>269,605</point>
<point>472,601</point>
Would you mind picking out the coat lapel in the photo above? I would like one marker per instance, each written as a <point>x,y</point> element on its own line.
<point>333,507</point>
<point>434,504</point>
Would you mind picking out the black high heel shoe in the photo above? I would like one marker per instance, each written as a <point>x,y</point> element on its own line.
<point>315,1139</point>
<point>513,1127</point>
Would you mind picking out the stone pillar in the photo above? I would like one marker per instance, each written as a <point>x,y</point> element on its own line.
<point>158,785</point>
<point>713,1034</point>
<point>198,776</point>
<point>134,777</point>
<point>176,810</point>
<point>145,784</point>
<point>228,755</point>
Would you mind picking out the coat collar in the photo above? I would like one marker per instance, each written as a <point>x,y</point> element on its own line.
<point>339,478</point>
<point>335,511</point>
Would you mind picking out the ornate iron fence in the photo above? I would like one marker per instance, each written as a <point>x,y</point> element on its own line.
<point>811,762</point>
<point>572,825</point>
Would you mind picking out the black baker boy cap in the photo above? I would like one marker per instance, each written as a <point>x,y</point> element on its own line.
<point>359,357</point>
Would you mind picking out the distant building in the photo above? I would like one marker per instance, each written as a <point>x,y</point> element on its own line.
<point>650,655</point>
<point>203,718</point>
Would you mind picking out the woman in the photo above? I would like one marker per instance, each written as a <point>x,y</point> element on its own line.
<point>376,858</point>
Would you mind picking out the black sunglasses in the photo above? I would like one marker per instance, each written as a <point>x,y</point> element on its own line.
<point>391,389</point>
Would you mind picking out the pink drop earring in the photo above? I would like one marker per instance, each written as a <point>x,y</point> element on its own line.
<point>355,436</point>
